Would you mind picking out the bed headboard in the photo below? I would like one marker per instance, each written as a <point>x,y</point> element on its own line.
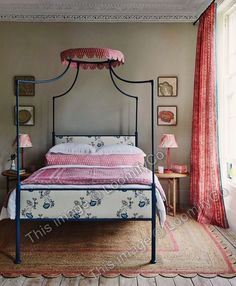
<point>97,140</point>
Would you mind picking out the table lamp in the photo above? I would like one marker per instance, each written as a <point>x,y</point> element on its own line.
<point>24,142</point>
<point>168,141</point>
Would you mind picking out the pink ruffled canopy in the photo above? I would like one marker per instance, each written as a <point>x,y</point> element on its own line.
<point>101,53</point>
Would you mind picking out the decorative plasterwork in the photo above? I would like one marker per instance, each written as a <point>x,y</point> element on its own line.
<point>101,10</point>
<point>98,18</point>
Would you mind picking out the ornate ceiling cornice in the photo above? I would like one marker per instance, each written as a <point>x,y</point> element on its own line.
<point>97,18</point>
<point>110,11</point>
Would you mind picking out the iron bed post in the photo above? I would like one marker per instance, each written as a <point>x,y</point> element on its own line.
<point>153,259</point>
<point>17,216</point>
<point>18,186</point>
<point>54,100</point>
<point>153,221</point>
<point>136,121</point>
<point>53,121</point>
<point>128,95</point>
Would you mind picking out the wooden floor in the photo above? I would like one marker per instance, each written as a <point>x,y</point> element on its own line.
<point>119,281</point>
<point>227,236</point>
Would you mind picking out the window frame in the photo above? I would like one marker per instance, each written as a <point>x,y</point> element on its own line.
<point>223,76</point>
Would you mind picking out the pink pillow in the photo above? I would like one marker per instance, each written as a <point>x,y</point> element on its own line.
<point>95,160</point>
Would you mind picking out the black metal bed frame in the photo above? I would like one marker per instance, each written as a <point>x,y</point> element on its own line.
<point>113,75</point>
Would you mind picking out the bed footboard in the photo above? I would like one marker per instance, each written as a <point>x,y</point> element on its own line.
<point>87,205</point>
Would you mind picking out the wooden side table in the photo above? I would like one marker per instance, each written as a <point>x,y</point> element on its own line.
<point>13,177</point>
<point>173,179</point>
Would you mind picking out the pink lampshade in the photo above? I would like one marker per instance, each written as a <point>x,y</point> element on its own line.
<point>168,141</point>
<point>24,141</point>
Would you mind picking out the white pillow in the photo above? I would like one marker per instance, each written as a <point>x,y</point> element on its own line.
<point>72,148</point>
<point>119,149</point>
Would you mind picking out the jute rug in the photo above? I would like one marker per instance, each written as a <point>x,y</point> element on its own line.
<point>109,249</point>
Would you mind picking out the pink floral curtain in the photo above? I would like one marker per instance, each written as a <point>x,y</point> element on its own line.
<point>205,190</point>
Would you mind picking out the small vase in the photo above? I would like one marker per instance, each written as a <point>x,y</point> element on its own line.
<point>13,165</point>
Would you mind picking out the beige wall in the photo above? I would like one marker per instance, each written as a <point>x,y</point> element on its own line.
<point>94,106</point>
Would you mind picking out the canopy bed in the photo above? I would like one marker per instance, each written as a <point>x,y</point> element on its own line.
<point>68,183</point>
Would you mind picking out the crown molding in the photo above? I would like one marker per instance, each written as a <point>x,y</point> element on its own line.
<point>97,18</point>
<point>103,11</point>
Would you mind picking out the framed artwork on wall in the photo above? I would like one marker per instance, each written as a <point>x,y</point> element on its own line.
<point>26,89</point>
<point>167,115</point>
<point>167,86</point>
<point>26,115</point>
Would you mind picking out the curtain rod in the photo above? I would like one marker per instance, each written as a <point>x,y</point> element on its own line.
<point>203,13</point>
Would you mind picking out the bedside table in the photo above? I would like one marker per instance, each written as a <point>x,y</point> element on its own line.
<point>13,177</point>
<point>173,180</point>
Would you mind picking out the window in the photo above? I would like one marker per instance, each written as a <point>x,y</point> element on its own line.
<point>227,100</point>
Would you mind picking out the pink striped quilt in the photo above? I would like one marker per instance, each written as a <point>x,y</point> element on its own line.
<point>94,160</point>
<point>90,176</point>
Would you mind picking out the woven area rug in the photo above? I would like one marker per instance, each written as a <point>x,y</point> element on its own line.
<point>112,248</point>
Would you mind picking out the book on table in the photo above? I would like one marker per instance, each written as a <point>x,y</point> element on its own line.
<point>14,172</point>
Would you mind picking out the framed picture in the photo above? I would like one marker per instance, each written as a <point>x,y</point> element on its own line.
<point>167,115</point>
<point>26,115</point>
<point>26,89</point>
<point>167,86</point>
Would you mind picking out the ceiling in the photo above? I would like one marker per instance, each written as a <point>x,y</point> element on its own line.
<point>102,10</point>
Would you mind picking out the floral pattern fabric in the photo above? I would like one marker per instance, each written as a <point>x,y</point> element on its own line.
<point>205,189</point>
<point>86,204</point>
<point>96,141</point>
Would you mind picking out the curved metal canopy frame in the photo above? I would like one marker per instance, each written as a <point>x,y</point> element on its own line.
<point>113,76</point>
<point>58,96</point>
